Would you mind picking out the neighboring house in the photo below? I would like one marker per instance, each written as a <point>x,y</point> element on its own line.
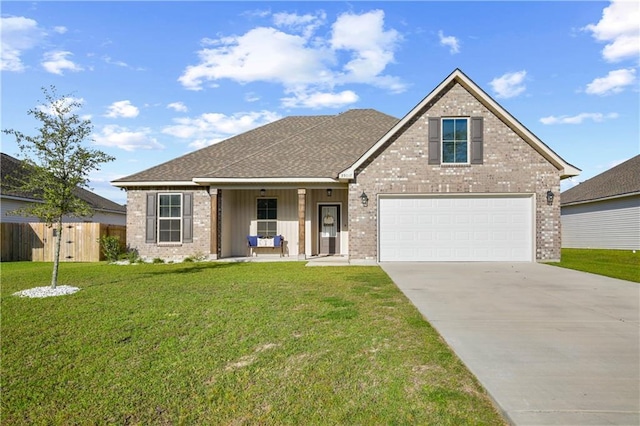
<point>457,179</point>
<point>106,211</point>
<point>604,211</point>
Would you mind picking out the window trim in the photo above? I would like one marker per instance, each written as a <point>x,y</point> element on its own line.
<point>159,218</point>
<point>454,163</point>
<point>258,221</point>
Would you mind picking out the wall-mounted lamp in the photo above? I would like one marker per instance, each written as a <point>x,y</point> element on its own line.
<point>364,199</point>
<point>550,197</point>
<point>263,192</point>
<point>329,192</point>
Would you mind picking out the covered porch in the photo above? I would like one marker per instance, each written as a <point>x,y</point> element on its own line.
<point>312,220</point>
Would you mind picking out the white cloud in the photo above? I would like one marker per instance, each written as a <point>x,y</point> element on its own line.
<point>123,109</point>
<point>61,105</point>
<point>210,128</point>
<point>372,48</point>
<point>60,29</point>
<point>298,58</point>
<point>320,100</point>
<point>452,42</point>
<point>614,82</point>
<point>619,28</point>
<point>578,119</point>
<point>251,97</point>
<point>17,34</point>
<point>130,140</point>
<point>262,54</point>
<point>178,106</point>
<point>107,59</point>
<point>56,62</point>
<point>509,85</point>
<point>304,24</point>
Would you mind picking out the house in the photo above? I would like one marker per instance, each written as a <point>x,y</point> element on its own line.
<point>456,179</point>
<point>604,211</point>
<point>106,211</point>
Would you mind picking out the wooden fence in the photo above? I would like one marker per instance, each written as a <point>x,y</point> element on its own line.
<point>36,241</point>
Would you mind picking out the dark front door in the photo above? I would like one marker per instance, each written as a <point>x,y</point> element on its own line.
<point>329,228</point>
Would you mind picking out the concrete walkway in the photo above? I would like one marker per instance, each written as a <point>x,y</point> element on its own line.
<point>552,346</point>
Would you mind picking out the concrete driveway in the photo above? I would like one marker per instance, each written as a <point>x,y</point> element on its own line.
<point>552,346</point>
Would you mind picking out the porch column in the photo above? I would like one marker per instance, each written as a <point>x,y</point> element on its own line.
<point>302,205</point>
<point>213,253</point>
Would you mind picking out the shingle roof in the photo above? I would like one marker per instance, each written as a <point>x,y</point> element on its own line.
<point>619,180</point>
<point>10,166</point>
<point>293,147</point>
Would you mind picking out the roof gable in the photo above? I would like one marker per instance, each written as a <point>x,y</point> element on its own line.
<point>12,167</point>
<point>458,76</point>
<point>621,180</point>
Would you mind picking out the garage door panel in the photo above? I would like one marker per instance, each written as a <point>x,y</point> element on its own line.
<point>456,229</point>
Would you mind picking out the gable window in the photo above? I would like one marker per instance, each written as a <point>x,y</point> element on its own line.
<point>169,218</point>
<point>455,140</point>
<point>267,215</point>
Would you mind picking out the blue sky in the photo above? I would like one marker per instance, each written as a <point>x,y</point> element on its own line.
<point>160,79</point>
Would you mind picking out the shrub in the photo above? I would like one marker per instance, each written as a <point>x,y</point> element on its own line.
<point>132,255</point>
<point>158,260</point>
<point>110,246</point>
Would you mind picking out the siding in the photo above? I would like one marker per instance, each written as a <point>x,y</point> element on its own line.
<point>611,224</point>
<point>8,206</point>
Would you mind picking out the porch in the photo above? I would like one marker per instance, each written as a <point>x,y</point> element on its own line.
<point>312,221</point>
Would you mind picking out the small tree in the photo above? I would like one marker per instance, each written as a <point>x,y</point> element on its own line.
<point>57,163</point>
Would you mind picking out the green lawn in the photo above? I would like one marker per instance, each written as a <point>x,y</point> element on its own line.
<point>622,264</point>
<point>217,343</point>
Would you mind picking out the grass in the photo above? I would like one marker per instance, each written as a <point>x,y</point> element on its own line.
<point>216,343</point>
<point>622,264</point>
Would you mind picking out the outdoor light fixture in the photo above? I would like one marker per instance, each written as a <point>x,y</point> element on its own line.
<point>263,192</point>
<point>364,199</point>
<point>329,192</point>
<point>550,197</point>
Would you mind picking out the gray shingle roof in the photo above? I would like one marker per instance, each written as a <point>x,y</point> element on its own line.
<point>619,180</point>
<point>293,147</point>
<point>11,167</point>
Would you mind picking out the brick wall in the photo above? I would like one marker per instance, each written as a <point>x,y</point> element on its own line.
<point>510,166</point>
<point>136,219</point>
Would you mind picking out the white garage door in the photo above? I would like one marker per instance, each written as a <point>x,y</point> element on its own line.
<point>442,229</point>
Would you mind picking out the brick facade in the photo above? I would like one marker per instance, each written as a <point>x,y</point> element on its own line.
<point>136,223</point>
<point>510,165</point>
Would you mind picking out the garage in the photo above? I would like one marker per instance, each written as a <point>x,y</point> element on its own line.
<point>455,228</point>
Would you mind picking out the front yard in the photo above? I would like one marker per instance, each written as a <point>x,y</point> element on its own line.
<point>622,264</point>
<point>219,343</point>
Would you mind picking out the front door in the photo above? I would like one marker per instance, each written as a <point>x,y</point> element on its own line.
<point>329,229</point>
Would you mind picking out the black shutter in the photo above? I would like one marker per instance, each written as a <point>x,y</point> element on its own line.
<point>476,140</point>
<point>434,140</point>
<point>187,217</point>
<point>150,234</point>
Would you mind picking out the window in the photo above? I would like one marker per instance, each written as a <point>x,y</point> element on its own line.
<point>455,140</point>
<point>267,214</point>
<point>169,218</point>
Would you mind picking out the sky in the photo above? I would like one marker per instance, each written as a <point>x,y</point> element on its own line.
<point>161,79</point>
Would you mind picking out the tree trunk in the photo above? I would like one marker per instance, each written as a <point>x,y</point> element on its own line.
<point>56,256</point>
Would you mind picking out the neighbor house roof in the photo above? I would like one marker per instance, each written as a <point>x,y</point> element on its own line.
<point>621,180</point>
<point>11,167</point>
<point>292,148</point>
<point>457,76</point>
